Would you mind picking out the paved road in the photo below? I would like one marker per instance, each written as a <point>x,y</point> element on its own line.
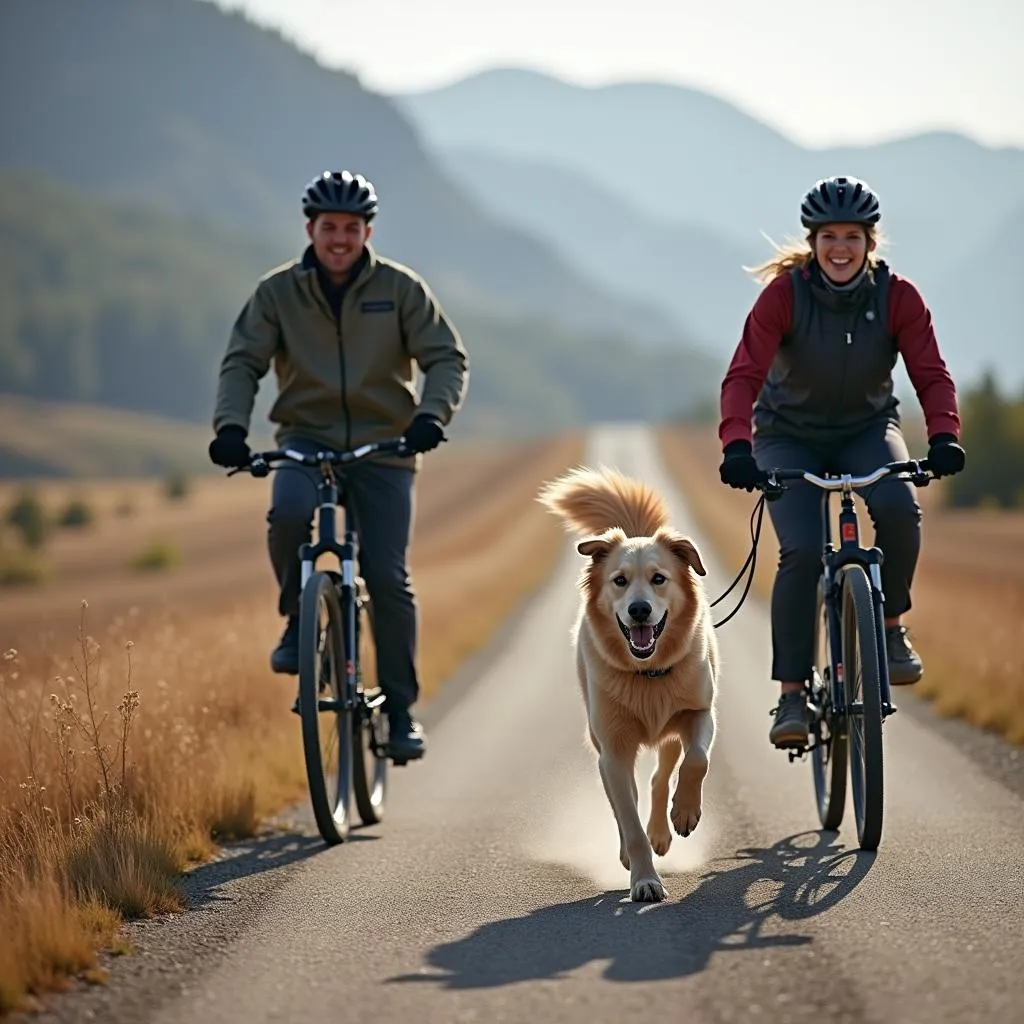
<point>493,891</point>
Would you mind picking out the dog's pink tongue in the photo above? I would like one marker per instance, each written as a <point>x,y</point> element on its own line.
<point>641,637</point>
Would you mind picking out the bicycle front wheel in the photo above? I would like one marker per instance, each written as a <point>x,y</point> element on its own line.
<point>863,691</point>
<point>326,721</point>
<point>829,756</point>
<point>369,724</point>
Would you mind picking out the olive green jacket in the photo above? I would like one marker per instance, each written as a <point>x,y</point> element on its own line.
<point>349,380</point>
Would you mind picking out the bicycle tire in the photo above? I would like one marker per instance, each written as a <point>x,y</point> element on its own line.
<point>860,664</point>
<point>326,732</point>
<point>828,769</point>
<point>369,768</point>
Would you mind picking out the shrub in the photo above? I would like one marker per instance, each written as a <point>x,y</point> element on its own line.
<point>29,516</point>
<point>76,514</point>
<point>160,553</point>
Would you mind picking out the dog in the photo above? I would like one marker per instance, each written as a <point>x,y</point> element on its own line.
<point>647,657</point>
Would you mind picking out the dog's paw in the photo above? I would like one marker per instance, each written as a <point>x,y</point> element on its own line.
<point>660,836</point>
<point>648,890</point>
<point>685,816</point>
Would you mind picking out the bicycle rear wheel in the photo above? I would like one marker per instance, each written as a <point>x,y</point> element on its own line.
<point>369,724</point>
<point>862,688</point>
<point>829,756</point>
<point>326,721</point>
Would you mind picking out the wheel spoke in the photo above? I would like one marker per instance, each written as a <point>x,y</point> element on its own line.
<point>828,758</point>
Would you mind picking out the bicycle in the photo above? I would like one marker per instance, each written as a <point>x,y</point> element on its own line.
<point>337,656</point>
<point>848,695</point>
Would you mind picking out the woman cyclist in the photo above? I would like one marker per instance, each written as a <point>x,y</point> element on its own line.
<point>810,386</point>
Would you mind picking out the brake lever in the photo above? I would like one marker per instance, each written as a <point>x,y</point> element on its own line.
<point>257,467</point>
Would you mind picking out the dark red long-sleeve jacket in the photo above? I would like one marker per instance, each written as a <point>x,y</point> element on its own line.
<point>769,320</point>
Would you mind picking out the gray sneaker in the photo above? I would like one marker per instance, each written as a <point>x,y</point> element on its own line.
<point>904,663</point>
<point>790,727</point>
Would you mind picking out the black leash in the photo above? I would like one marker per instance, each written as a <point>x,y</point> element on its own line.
<point>755,536</point>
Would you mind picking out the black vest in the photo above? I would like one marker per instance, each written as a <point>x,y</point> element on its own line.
<point>833,369</point>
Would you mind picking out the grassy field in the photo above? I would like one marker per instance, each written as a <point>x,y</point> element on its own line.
<point>86,440</point>
<point>968,592</point>
<point>141,730</point>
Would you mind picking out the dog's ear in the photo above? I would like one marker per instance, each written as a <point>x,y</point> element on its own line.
<point>686,551</point>
<point>596,548</point>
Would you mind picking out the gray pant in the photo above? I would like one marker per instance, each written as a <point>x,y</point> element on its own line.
<point>381,501</point>
<point>796,516</point>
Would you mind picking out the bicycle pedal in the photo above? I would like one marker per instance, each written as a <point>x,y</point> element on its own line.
<point>401,759</point>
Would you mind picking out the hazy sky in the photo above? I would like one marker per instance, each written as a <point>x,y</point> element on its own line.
<point>821,72</point>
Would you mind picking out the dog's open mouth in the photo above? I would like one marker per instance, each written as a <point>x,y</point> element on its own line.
<point>642,636</point>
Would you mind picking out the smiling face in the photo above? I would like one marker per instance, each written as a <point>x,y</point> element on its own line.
<point>841,250</point>
<point>643,592</point>
<point>338,241</point>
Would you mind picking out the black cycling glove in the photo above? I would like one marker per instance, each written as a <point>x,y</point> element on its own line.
<point>229,448</point>
<point>424,433</point>
<point>738,468</point>
<point>945,456</point>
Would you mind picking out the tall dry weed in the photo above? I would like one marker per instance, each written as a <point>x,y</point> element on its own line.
<point>113,780</point>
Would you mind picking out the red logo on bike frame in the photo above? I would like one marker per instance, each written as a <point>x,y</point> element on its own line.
<point>849,533</point>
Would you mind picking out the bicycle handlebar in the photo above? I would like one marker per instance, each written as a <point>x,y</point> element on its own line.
<point>918,472</point>
<point>260,462</point>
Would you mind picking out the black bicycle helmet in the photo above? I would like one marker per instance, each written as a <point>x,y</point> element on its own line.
<point>340,192</point>
<point>839,200</point>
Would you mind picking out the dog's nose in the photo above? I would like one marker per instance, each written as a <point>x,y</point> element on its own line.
<point>640,611</point>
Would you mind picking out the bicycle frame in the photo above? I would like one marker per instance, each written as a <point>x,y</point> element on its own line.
<point>347,552</point>
<point>850,551</point>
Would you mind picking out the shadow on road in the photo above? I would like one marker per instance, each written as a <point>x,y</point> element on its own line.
<point>253,857</point>
<point>749,903</point>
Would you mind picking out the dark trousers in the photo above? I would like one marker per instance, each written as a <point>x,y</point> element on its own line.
<point>796,516</point>
<point>381,500</point>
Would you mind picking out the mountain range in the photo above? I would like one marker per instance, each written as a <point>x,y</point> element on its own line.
<point>669,191</point>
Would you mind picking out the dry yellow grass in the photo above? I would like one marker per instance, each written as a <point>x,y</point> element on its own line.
<point>133,746</point>
<point>968,592</point>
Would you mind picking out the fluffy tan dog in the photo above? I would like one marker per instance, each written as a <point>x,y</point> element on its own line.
<point>646,656</point>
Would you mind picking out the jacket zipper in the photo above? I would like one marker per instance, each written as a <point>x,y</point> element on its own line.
<point>851,321</point>
<point>346,414</point>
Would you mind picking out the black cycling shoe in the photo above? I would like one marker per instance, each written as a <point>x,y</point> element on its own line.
<point>406,738</point>
<point>285,656</point>
<point>904,662</point>
<point>790,728</point>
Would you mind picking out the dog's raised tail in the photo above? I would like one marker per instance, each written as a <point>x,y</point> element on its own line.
<point>594,500</point>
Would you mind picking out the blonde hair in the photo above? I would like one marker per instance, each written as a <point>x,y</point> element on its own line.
<point>798,254</point>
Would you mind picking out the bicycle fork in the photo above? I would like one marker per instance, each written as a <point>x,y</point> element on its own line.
<point>871,558</point>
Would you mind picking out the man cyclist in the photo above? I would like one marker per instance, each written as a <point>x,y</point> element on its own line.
<point>343,327</point>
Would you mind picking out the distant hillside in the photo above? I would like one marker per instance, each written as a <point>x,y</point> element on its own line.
<point>115,303</point>
<point>181,105</point>
<point>980,304</point>
<point>46,438</point>
<point>696,158</point>
<point>691,271</point>
<point>111,304</point>
<point>680,158</point>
